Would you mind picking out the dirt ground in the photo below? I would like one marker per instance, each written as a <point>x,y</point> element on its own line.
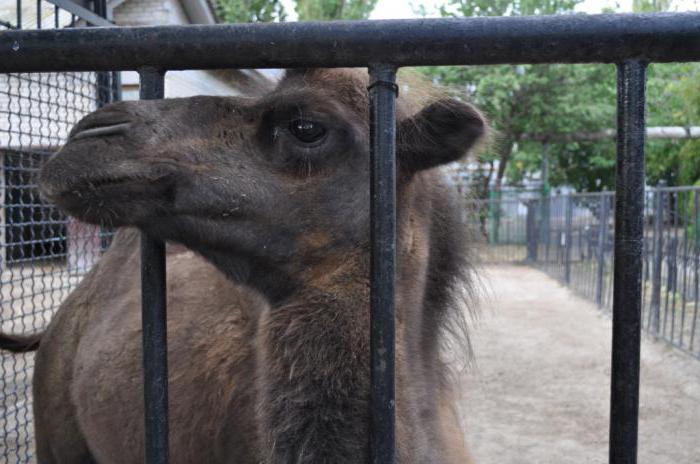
<point>539,389</point>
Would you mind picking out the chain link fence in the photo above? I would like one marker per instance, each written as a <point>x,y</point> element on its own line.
<point>571,238</point>
<point>43,254</point>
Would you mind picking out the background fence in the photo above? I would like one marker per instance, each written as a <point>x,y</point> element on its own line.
<point>571,238</point>
<point>42,253</point>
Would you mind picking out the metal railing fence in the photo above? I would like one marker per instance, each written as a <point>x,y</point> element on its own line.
<point>571,237</point>
<point>630,41</point>
<point>43,253</point>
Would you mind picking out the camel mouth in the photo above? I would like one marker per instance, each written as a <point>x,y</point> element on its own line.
<point>124,187</point>
<point>117,200</point>
<point>92,185</point>
<point>99,185</point>
<point>100,131</point>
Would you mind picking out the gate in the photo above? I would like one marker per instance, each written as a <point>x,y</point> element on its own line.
<point>630,41</point>
<point>570,237</point>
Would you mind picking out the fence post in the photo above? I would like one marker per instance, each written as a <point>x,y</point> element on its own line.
<point>546,191</point>
<point>602,242</point>
<point>672,266</point>
<point>568,238</point>
<point>627,288</point>
<point>696,203</point>
<point>658,262</point>
<point>494,215</point>
<point>531,232</point>
<point>382,98</point>
<point>154,318</point>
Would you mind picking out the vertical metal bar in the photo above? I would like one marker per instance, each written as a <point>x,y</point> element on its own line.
<point>531,230</point>
<point>546,190</point>
<point>648,252</point>
<point>103,78</point>
<point>602,241</point>
<point>100,7</point>
<point>116,93</point>
<point>568,239</point>
<point>382,101</point>
<point>153,300</point>
<point>696,269</point>
<point>38,14</point>
<point>494,212</point>
<point>19,14</point>
<point>666,251</point>
<point>685,196</point>
<point>656,267</point>
<point>629,227</point>
<point>672,287</point>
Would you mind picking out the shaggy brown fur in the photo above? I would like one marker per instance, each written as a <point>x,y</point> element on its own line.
<point>269,313</point>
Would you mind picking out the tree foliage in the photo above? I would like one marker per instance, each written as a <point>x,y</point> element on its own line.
<point>250,11</point>
<point>674,99</point>
<point>530,105</point>
<point>536,101</point>
<point>322,10</point>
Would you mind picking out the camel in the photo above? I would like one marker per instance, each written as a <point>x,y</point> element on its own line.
<point>264,204</point>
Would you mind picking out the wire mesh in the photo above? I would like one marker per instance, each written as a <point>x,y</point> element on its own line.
<point>571,237</point>
<point>43,254</point>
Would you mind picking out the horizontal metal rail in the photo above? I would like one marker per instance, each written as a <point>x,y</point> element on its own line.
<point>455,41</point>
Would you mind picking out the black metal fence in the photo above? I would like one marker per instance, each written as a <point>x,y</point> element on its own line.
<point>43,254</point>
<point>571,237</point>
<point>631,41</point>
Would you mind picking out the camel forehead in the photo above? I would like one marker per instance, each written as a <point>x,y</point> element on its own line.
<point>347,86</point>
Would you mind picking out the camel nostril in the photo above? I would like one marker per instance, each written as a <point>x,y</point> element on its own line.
<point>101,122</point>
<point>112,129</point>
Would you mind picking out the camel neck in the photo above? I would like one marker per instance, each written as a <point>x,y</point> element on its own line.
<point>313,372</point>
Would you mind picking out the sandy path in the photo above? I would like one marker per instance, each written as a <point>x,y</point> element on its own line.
<point>539,390</point>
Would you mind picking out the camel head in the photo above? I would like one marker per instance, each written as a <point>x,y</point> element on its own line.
<point>261,186</point>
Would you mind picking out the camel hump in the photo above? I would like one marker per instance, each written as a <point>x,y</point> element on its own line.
<point>20,343</point>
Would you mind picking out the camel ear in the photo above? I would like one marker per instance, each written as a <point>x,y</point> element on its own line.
<point>440,133</point>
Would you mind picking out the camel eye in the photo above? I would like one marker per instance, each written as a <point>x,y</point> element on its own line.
<point>307,131</point>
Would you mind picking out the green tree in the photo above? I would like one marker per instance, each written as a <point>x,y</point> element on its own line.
<point>529,104</point>
<point>673,98</point>
<point>250,11</point>
<point>323,10</point>
<point>650,6</point>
